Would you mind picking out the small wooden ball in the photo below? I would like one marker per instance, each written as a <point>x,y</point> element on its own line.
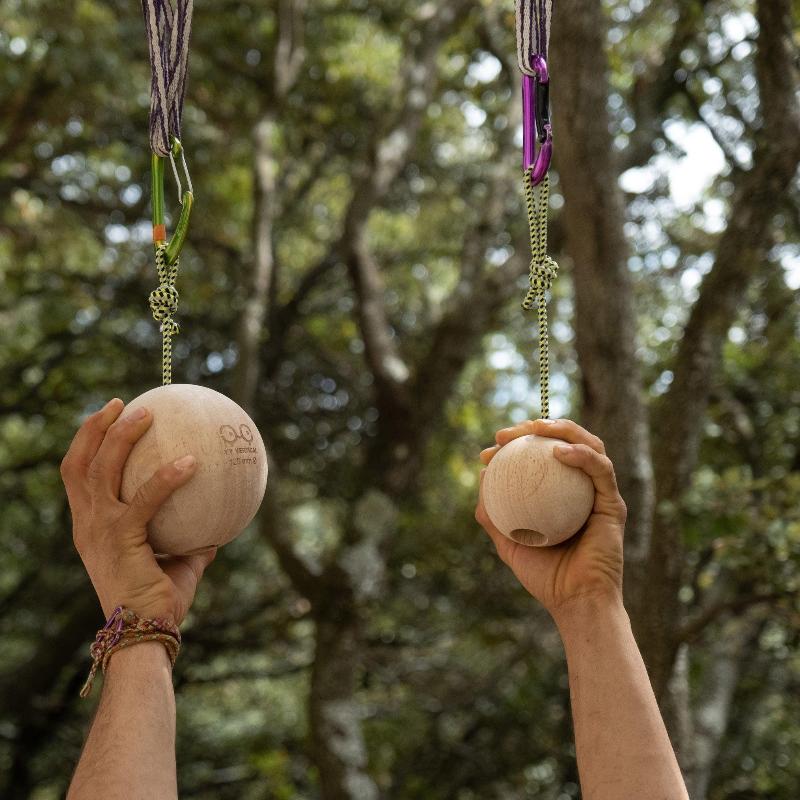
<point>532,497</point>
<point>226,490</point>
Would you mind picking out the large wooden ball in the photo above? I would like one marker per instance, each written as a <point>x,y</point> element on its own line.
<point>226,490</point>
<point>532,497</point>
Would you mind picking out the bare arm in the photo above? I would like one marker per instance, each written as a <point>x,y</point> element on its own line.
<point>621,742</point>
<point>130,751</point>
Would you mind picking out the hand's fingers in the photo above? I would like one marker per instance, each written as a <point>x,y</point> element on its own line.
<point>487,454</point>
<point>105,472</point>
<point>154,493</point>
<point>84,447</point>
<point>567,430</point>
<point>503,544</point>
<point>505,435</point>
<point>599,468</point>
<point>185,572</point>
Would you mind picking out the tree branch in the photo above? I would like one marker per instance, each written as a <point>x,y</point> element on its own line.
<point>387,157</point>
<point>653,90</point>
<point>697,110</point>
<point>289,56</point>
<point>694,627</point>
<point>275,528</point>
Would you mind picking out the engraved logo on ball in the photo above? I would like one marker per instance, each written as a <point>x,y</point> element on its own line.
<point>238,445</point>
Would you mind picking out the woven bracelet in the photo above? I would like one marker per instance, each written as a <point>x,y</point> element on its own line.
<point>123,629</point>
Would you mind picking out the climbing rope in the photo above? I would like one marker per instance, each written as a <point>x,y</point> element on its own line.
<point>168,30</point>
<point>533,36</point>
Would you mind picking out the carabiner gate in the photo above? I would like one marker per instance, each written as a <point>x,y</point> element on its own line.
<point>536,121</point>
<point>175,244</point>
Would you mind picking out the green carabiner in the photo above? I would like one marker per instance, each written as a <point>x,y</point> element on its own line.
<point>175,244</point>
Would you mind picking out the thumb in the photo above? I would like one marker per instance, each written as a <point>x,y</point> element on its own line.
<point>185,572</point>
<point>152,494</point>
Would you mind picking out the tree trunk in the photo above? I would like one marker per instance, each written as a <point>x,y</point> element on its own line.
<point>334,712</point>
<point>714,698</point>
<point>741,253</point>
<point>605,322</point>
<point>254,315</point>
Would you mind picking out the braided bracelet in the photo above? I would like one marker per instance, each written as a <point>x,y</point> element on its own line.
<point>123,629</point>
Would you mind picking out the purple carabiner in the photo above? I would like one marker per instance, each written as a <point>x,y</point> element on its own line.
<point>536,121</point>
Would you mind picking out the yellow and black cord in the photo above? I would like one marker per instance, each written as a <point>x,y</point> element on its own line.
<point>543,270</point>
<point>164,304</point>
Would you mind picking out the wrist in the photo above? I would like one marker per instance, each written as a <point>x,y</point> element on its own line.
<point>585,612</point>
<point>147,605</point>
<point>143,656</point>
<point>155,611</point>
<point>123,630</point>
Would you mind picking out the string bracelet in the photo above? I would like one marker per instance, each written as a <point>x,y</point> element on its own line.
<point>123,629</point>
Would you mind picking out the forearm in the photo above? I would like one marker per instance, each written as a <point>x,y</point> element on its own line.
<point>622,745</point>
<point>130,751</point>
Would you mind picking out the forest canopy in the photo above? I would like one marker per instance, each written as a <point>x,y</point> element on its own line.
<point>353,275</point>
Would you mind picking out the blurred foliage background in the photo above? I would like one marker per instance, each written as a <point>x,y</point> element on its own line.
<point>353,275</point>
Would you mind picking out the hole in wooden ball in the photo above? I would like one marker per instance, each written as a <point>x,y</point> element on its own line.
<point>530,538</point>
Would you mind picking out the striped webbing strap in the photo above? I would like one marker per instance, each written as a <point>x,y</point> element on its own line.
<point>533,31</point>
<point>168,32</point>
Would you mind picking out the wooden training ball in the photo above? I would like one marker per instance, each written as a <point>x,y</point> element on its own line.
<point>226,490</point>
<point>531,497</point>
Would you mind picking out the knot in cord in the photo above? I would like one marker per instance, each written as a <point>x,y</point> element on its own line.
<point>164,303</point>
<point>542,275</point>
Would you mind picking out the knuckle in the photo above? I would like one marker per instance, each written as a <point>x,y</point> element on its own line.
<point>166,474</point>
<point>152,491</point>
<point>85,532</point>
<point>144,495</point>
<point>94,473</point>
<point>119,431</point>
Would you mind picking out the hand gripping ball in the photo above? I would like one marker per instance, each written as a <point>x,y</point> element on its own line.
<point>532,497</point>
